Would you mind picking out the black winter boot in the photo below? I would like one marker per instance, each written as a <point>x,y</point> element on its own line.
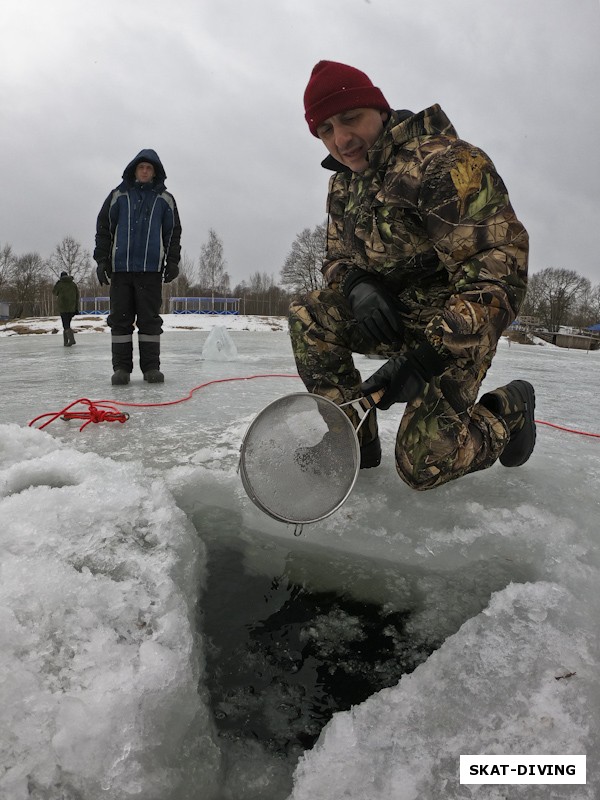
<point>120,378</point>
<point>370,445</point>
<point>122,359</point>
<point>66,340</point>
<point>154,376</point>
<point>122,353</point>
<point>150,358</point>
<point>515,404</point>
<point>370,454</point>
<point>322,455</point>
<point>318,458</point>
<point>71,336</point>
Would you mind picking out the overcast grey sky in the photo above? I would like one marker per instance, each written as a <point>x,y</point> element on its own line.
<point>216,86</point>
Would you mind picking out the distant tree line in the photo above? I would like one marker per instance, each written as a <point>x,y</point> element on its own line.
<point>560,297</point>
<point>555,297</point>
<point>26,281</point>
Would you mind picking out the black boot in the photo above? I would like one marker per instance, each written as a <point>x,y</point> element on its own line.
<point>370,445</point>
<point>122,359</point>
<point>150,358</point>
<point>318,459</point>
<point>370,454</point>
<point>71,336</point>
<point>321,457</point>
<point>120,377</point>
<point>154,376</point>
<point>66,340</point>
<point>515,404</point>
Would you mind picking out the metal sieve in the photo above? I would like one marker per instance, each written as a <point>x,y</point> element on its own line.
<point>300,457</point>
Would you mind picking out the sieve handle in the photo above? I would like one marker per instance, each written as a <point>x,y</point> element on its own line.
<point>369,401</point>
<point>364,404</point>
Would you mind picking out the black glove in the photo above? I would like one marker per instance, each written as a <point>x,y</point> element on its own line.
<point>104,271</point>
<point>376,310</point>
<point>171,271</point>
<point>403,378</point>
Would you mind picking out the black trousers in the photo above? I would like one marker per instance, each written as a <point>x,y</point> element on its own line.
<point>66,318</point>
<point>135,301</point>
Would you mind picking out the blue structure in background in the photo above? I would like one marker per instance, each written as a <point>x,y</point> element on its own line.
<point>205,305</point>
<point>177,305</point>
<point>99,305</point>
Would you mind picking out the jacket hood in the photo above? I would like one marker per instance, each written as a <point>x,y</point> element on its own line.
<point>151,156</point>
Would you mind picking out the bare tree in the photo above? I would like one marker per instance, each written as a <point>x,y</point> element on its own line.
<point>187,272</point>
<point>181,286</point>
<point>27,283</point>
<point>260,282</point>
<point>70,257</point>
<point>594,305</point>
<point>587,311</point>
<point>6,260</point>
<point>213,277</point>
<point>555,293</point>
<point>261,295</point>
<point>302,268</point>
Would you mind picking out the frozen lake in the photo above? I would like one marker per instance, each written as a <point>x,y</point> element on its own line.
<point>483,593</point>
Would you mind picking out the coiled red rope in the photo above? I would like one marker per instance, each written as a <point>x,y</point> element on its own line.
<point>99,411</point>
<point>107,411</point>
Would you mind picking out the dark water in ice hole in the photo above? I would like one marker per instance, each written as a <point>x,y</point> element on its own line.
<point>283,655</point>
<point>294,632</point>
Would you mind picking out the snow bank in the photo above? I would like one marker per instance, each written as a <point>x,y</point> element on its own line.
<point>99,667</point>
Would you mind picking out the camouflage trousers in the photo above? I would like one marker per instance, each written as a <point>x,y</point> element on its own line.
<point>443,434</point>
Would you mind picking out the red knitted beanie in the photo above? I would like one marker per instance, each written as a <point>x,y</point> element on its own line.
<point>335,87</point>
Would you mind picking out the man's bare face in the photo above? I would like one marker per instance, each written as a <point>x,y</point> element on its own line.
<point>144,172</point>
<point>350,135</point>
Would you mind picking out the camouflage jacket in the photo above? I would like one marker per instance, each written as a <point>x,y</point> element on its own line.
<point>432,217</point>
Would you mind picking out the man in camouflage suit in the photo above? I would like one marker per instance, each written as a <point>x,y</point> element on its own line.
<point>426,266</point>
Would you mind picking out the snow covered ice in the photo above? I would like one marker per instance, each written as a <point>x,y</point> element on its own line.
<point>105,534</point>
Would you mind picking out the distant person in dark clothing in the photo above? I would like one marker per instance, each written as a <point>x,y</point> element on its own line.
<point>65,289</point>
<point>138,235</point>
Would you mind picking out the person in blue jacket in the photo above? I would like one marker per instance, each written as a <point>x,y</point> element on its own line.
<point>138,245</point>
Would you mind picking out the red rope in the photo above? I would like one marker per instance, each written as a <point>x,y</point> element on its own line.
<point>568,430</point>
<point>200,386</point>
<point>106,411</point>
<point>100,411</point>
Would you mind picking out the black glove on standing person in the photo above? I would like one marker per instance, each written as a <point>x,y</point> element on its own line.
<point>403,378</point>
<point>376,310</point>
<point>171,271</point>
<point>103,272</point>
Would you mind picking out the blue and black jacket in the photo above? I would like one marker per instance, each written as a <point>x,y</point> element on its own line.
<point>138,227</point>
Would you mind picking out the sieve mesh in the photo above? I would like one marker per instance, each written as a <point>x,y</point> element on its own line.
<point>300,458</point>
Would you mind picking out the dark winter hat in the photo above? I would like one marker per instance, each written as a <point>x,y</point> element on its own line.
<point>63,275</point>
<point>335,87</point>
